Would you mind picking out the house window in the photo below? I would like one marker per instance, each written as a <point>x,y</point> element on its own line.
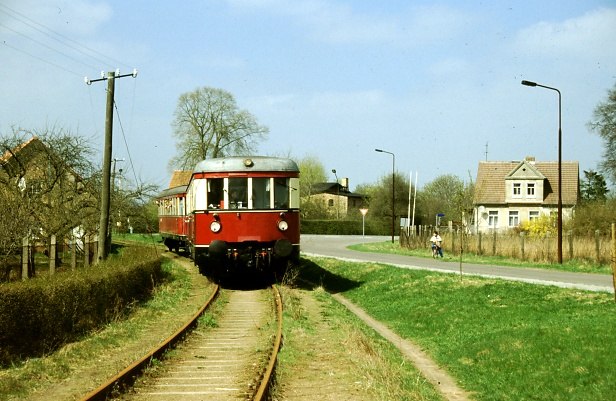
<point>530,190</point>
<point>514,218</point>
<point>330,203</point>
<point>493,218</point>
<point>533,215</point>
<point>517,189</point>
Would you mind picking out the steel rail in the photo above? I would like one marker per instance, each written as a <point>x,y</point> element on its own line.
<point>128,375</point>
<point>268,375</point>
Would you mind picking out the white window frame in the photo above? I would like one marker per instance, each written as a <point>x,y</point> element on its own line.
<point>516,190</point>
<point>514,218</point>
<point>533,215</point>
<point>493,218</point>
<point>531,190</point>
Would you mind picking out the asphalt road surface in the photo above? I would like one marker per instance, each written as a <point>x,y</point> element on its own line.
<point>336,246</point>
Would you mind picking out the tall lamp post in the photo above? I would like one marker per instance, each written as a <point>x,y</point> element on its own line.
<point>393,192</point>
<point>560,187</point>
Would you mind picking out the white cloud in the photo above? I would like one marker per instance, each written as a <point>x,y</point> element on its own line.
<point>590,34</point>
<point>339,23</point>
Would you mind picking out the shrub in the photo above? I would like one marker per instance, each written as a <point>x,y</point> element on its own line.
<point>39,315</point>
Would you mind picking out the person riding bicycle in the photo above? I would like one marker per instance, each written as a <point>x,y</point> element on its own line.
<point>436,241</point>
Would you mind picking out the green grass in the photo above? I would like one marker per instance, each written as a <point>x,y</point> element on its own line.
<point>502,340</point>
<point>378,364</point>
<point>569,265</point>
<point>145,239</point>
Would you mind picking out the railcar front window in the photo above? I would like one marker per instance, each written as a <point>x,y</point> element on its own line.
<point>281,193</point>
<point>238,193</point>
<point>260,193</point>
<point>215,193</point>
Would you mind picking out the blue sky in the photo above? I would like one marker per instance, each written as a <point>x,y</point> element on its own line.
<point>433,82</point>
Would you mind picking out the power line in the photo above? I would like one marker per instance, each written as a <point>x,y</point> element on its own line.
<point>46,46</point>
<point>58,37</point>
<point>40,59</point>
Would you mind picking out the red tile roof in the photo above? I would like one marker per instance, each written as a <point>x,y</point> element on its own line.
<point>180,178</point>
<point>490,184</point>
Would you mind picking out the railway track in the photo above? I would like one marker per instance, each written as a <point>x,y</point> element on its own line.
<point>235,359</point>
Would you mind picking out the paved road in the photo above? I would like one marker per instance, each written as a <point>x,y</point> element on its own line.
<point>335,246</point>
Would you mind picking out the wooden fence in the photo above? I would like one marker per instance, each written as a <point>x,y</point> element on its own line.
<point>595,249</point>
<point>68,253</point>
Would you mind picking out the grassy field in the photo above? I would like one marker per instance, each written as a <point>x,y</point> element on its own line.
<point>578,266</point>
<point>502,340</point>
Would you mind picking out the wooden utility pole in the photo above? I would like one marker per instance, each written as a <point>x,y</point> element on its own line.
<point>103,228</point>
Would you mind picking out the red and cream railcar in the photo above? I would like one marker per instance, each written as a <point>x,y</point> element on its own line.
<point>172,223</point>
<point>243,215</point>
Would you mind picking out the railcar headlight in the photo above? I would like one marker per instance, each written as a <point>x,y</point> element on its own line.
<point>215,226</point>
<point>283,225</point>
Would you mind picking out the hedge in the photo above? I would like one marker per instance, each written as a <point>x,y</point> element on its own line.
<point>40,315</point>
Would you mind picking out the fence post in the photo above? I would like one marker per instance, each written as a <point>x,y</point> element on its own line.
<point>86,250</point>
<point>52,254</point>
<point>494,243</point>
<point>614,258</point>
<point>25,259</point>
<point>570,238</point>
<point>597,247</point>
<point>73,241</point>
<point>522,235</point>
<point>479,250</point>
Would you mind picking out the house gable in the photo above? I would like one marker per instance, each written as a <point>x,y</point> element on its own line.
<point>509,193</point>
<point>524,183</point>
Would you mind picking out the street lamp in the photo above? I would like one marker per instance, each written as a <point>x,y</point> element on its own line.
<point>393,192</point>
<point>337,197</point>
<point>560,175</point>
<point>363,212</point>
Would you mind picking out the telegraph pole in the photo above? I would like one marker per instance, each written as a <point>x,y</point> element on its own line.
<point>103,227</point>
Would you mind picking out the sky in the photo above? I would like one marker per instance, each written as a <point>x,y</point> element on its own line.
<point>436,83</point>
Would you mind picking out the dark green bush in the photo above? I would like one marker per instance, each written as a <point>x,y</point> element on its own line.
<point>345,227</point>
<point>39,315</point>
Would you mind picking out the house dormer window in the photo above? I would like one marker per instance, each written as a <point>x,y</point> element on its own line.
<point>530,190</point>
<point>517,189</point>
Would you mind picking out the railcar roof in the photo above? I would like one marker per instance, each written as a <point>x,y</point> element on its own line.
<point>246,163</point>
<point>173,191</point>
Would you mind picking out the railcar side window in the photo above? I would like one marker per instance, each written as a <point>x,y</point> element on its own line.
<point>238,193</point>
<point>281,193</point>
<point>215,193</point>
<point>260,193</point>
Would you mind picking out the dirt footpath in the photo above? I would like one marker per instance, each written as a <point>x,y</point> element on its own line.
<point>431,371</point>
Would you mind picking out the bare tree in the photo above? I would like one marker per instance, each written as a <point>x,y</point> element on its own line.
<point>604,124</point>
<point>45,179</point>
<point>208,123</point>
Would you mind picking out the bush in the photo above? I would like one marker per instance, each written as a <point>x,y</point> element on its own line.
<point>344,227</point>
<point>38,316</point>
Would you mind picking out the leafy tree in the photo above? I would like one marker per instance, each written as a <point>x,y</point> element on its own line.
<point>593,187</point>
<point>380,198</point>
<point>604,124</point>
<point>448,195</point>
<point>591,216</point>
<point>311,172</point>
<point>208,123</point>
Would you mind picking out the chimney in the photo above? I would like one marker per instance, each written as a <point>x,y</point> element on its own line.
<point>530,159</point>
<point>345,183</point>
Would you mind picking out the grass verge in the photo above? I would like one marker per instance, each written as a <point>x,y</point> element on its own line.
<point>348,349</point>
<point>503,340</point>
<point>575,266</point>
